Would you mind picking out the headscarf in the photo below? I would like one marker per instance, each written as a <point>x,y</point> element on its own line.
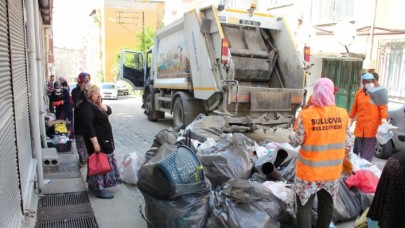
<point>323,93</point>
<point>82,78</point>
<point>58,88</point>
<point>57,85</point>
<point>89,90</point>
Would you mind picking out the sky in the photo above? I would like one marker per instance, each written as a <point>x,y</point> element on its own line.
<point>70,21</point>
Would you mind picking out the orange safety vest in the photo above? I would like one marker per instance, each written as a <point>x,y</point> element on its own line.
<point>321,155</point>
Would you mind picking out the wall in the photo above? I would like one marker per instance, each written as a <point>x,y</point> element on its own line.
<point>67,63</point>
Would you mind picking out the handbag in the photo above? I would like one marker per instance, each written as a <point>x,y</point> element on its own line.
<point>98,164</point>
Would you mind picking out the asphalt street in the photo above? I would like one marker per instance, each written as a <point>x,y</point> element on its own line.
<point>134,133</point>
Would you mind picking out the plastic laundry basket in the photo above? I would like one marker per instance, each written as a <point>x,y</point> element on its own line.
<point>183,170</point>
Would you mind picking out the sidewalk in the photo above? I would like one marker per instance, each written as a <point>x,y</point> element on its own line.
<point>63,202</point>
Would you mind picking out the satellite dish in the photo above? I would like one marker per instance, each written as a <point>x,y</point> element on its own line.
<point>345,33</point>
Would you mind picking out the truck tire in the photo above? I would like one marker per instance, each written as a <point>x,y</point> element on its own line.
<point>186,109</point>
<point>178,114</point>
<point>149,108</point>
<point>383,151</point>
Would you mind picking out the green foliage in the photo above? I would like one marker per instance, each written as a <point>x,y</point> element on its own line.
<point>101,75</point>
<point>146,38</point>
<point>97,18</point>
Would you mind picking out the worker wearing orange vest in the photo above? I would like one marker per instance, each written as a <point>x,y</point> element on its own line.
<point>368,117</point>
<point>309,104</point>
<point>323,133</point>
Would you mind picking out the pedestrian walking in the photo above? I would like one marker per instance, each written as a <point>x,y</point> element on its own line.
<point>324,136</point>
<point>368,117</point>
<point>98,137</point>
<point>78,97</point>
<point>388,205</point>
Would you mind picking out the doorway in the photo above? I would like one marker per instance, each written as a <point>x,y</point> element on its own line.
<point>346,75</point>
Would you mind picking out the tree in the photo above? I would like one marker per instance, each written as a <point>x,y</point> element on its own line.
<point>146,38</point>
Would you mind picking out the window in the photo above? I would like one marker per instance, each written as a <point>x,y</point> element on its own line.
<point>391,66</point>
<point>332,11</point>
<point>272,4</point>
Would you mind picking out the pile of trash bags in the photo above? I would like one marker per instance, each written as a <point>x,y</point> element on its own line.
<point>202,177</point>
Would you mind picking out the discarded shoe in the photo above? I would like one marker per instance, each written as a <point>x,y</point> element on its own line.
<point>103,194</point>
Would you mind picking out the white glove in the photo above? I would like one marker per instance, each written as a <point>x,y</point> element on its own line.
<point>350,121</point>
<point>384,121</point>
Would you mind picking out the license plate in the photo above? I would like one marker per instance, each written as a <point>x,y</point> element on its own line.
<point>249,22</point>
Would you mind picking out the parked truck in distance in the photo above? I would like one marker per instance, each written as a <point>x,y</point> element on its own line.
<point>240,64</point>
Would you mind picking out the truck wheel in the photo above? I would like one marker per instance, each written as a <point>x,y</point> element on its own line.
<point>149,108</point>
<point>178,114</point>
<point>383,151</point>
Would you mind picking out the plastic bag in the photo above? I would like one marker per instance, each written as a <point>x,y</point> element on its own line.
<point>152,181</point>
<point>384,133</point>
<point>278,189</point>
<point>365,180</point>
<point>204,127</point>
<point>61,128</point>
<point>361,222</point>
<point>129,168</point>
<point>349,203</point>
<point>186,211</point>
<point>228,159</point>
<point>243,203</point>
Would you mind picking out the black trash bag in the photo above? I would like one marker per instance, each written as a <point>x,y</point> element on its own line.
<point>154,182</point>
<point>204,127</point>
<point>244,203</point>
<point>164,136</point>
<point>350,203</point>
<point>229,159</point>
<point>183,212</point>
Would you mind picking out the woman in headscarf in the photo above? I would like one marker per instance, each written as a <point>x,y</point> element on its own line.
<point>368,117</point>
<point>77,98</point>
<point>60,99</point>
<point>323,133</point>
<point>388,206</point>
<point>98,137</point>
<point>64,83</point>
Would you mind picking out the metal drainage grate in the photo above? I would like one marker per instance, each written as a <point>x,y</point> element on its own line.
<point>89,222</point>
<point>65,210</point>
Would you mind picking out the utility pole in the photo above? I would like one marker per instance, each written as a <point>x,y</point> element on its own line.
<point>143,31</point>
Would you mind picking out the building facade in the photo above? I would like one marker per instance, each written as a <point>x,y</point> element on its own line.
<point>121,21</point>
<point>24,62</point>
<point>347,38</point>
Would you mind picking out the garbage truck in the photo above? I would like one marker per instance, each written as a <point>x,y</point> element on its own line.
<point>240,64</point>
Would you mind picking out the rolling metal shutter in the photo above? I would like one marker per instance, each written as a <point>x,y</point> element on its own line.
<point>10,194</point>
<point>20,94</point>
